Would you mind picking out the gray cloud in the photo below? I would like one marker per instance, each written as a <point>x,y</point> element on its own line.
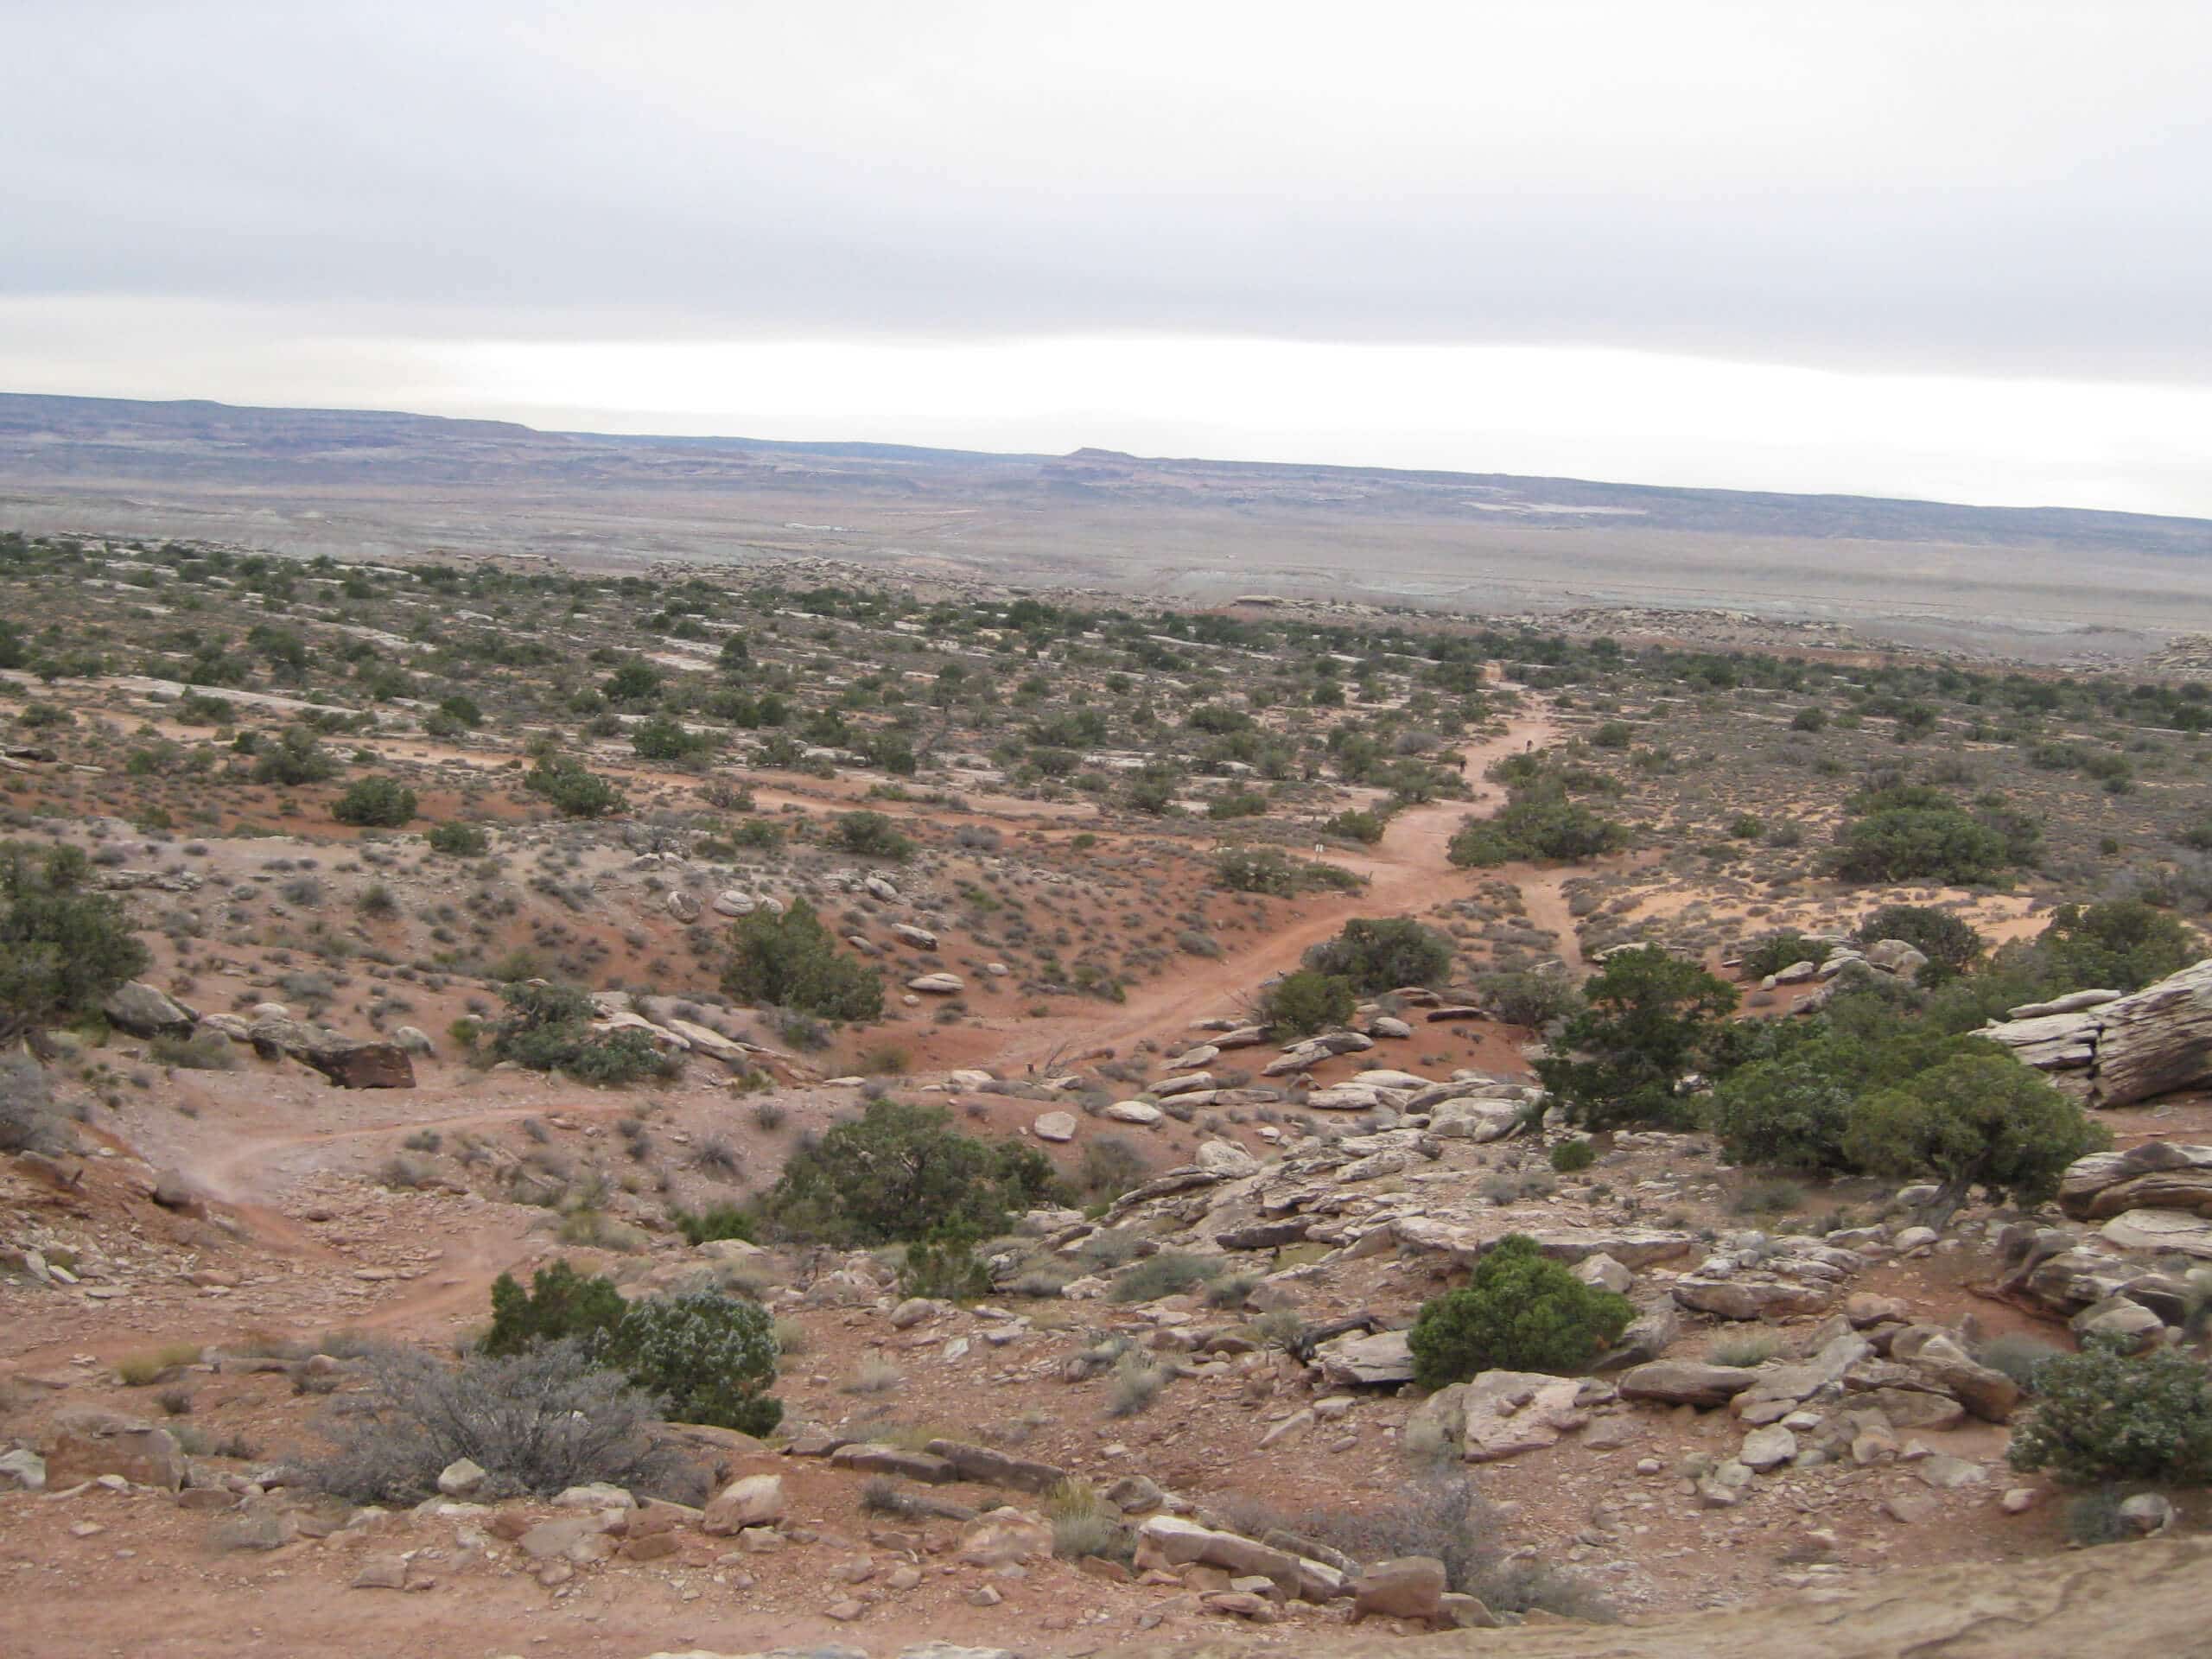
<point>2009,187</point>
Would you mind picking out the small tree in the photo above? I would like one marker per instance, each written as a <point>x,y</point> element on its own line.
<point>572,790</point>
<point>1517,1311</point>
<point>1792,1112</point>
<point>2101,1416</point>
<point>1528,998</point>
<point>900,1173</point>
<point>1380,954</point>
<point>458,840</point>
<point>1649,1018</point>
<point>791,962</point>
<point>296,757</point>
<point>664,738</point>
<point>63,948</point>
<point>633,682</point>
<point>1976,1120</point>
<point>1365,827</point>
<point>1300,1004</point>
<point>2122,945</point>
<point>871,835</point>
<point>560,1304</point>
<point>379,803</point>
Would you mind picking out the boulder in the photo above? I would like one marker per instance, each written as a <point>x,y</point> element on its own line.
<point>348,1064</point>
<point>22,1471</point>
<point>1896,956</point>
<point>140,1009</point>
<point>2131,1048</point>
<point>1225,1158</point>
<point>2162,1230</point>
<point>2155,1175</point>
<point>94,1446</point>
<point>937,984</point>
<point>731,902</point>
<point>415,1040</point>
<point>1008,1537</point>
<point>1196,1083</point>
<point>753,1501</point>
<point>1603,1273</point>
<point>1054,1126</point>
<point>988,1467</point>
<point>1749,1298</point>
<point>463,1478</point>
<point>1685,1382</point>
<point>1411,1586</point>
<point>920,937</point>
<point>872,1458</point>
<point>1507,1413</point>
<point>1383,1360</point>
<point>683,906</point>
<point>1767,1448</point>
<point>1478,1121</point>
<point>1134,1111</point>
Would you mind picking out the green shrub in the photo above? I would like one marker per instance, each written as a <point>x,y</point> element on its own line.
<point>705,1356</point>
<point>1790,1113</point>
<point>2122,945</point>
<point>1538,821</point>
<point>715,1221</point>
<point>1530,1000</point>
<point>1110,1166</point>
<point>1517,1311</point>
<point>458,840</point>
<point>900,1173</point>
<point>63,947</point>
<point>297,757</point>
<point>375,803</point>
<point>1366,827</point>
<point>1263,869</point>
<point>791,962</point>
<point>870,835</point>
<point>664,738</point>
<point>1950,945</point>
<point>1300,1004</point>
<point>2101,1416</point>
<point>708,1358</point>
<point>547,1028</point>
<point>1921,843</point>
<point>572,791</point>
<point>1779,951</point>
<point>1380,954</point>
<point>1567,1156</point>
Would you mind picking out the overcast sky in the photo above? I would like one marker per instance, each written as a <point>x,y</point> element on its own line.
<point>1956,249</point>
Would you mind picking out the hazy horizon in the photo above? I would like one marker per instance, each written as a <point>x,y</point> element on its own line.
<point>1954,253</point>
